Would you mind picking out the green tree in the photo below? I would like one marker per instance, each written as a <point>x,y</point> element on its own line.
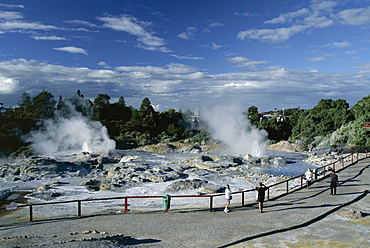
<point>326,117</point>
<point>253,115</point>
<point>361,110</point>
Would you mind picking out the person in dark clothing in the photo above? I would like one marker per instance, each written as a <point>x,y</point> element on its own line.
<point>333,183</point>
<point>261,188</point>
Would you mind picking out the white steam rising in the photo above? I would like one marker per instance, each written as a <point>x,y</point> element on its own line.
<point>233,129</point>
<point>74,134</point>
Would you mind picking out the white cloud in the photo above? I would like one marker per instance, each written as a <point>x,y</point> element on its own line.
<point>215,46</point>
<point>187,57</point>
<point>10,15</point>
<point>72,49</point>
<point>248,14</point>
<point>11,6</point>
<point>288,17</point>
<point>316,59</point>
<point>83,23</point>
<point>8,85</point>
<point>135,27</point>
<point>338,44</point>
<point>216,24</point>
<point>320,14</point>
<point>271,35</point>
<point>360,16</point>
<point>53,37</point>
<point>171,68</point>
<point>10,25</point>
<point>244,62</point>
<point>188,34</point>
<point>182,86</point>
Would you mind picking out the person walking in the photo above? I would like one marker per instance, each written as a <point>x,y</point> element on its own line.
<point>228,198</point>
<point>261,188</point>
<point>333,183</point>
<point>308,175</point>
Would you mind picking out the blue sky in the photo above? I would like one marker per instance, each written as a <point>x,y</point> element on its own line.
<point>187,54</point>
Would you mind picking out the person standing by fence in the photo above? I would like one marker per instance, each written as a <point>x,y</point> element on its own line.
<point>308,175</point>
<point>228,198</point>
<point>333,183</point>
<point>261,188</point>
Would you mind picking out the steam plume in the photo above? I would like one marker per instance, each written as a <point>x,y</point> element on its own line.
<point>229,125</point>
<point>72,134</point>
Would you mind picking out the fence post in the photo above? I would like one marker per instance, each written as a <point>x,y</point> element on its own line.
<point>126,205</point>
<point>79,208</point>
<point>287,186</point>
<point>352,158</point>
<point>31,213</point>
<point>211,203</point>
<point>243,198</point>
<point>268,193</point>
<point>301,181</point>
<point>333,167</point>
<point>357,156</point>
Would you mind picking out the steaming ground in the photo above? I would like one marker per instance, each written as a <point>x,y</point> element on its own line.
<point>68,188</point>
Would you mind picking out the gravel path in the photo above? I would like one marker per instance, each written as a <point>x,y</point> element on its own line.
<point>305,218</point>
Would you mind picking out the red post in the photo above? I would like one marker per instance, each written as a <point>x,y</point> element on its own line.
<point>342,162</point>
<point>301,181</point>
<point>357,156</point>
<point>211,203</point>
<point>126,205</point>
<point>352,158</point>
<point>333,167</point>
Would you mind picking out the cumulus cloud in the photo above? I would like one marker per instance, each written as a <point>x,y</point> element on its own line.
<point>360,16</point>
<point>72,49</point>
<point>8,85</point>
<point>183,86</point>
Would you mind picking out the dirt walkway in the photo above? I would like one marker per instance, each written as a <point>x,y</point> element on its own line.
<point>305,218</point>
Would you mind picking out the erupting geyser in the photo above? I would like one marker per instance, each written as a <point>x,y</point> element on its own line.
<point>229,125</point>
<point>73,134</point>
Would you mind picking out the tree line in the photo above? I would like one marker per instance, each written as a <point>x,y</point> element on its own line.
<point>330,122</point>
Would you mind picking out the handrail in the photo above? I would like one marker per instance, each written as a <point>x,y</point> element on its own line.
<point>210,196</point>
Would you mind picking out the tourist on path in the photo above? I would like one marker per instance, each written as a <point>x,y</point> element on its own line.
<point>261,188</point>
<point>308,175</point>
<point>333,183</point>
<point>228,198</point>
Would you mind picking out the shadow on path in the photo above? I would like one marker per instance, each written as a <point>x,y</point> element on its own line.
<point>307,223</point>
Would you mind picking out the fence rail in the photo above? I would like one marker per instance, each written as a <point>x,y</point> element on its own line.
<point>319,173</point>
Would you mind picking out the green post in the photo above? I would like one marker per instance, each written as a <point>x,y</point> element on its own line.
<point>315,174</point>
<point>166,200</point>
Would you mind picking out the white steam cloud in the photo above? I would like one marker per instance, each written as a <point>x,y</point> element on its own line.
<point>233,129</point>
<point>71,135</point>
